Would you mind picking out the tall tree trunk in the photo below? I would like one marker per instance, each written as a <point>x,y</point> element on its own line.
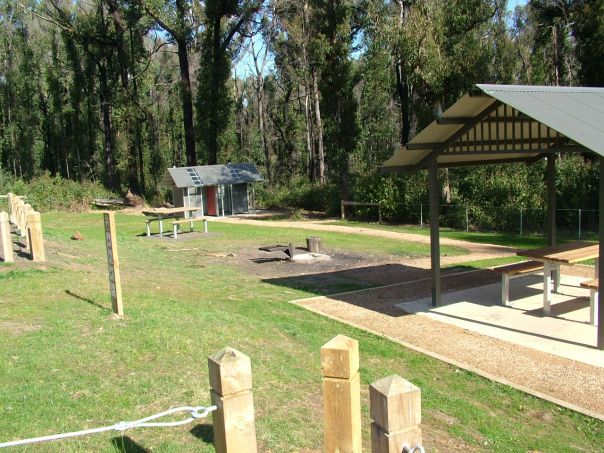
<point>404,101</point>
<point>444,173</point>
<point>187,101</point>
<point>212,138</point>
<point>320,150</point>
<point>261,126</point>
<point>105,93</point>
<point>308,133</point>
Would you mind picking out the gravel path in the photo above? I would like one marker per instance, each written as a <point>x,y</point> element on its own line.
<point>566,382</point>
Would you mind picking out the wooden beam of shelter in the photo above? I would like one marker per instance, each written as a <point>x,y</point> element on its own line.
<point>453,138</point>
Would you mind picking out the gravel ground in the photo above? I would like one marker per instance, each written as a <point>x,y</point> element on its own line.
<point>567,382</point>
<point>573,384</point>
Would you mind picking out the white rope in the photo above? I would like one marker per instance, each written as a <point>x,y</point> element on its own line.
<point>196,413</point>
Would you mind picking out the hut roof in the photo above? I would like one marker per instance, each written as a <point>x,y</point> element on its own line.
<point>212,175</point>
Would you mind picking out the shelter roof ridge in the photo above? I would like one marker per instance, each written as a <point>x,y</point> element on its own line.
<point>538,89</point>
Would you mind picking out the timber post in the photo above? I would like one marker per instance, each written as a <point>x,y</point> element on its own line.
<point>234,425</point>
<point>5,240</point>
<point>395,414</point>
<point>10,201</point>
<point>113,264</point>
<point>341,395</point>
<point>35,239</point>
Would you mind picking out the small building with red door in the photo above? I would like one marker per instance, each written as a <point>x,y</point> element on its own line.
<point>218,190</point>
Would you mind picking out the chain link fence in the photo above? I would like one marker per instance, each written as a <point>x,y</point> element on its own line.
<point>576,223</point>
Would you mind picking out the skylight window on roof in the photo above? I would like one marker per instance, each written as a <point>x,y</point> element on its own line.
<point>195,179</point>
<point>234,173</point>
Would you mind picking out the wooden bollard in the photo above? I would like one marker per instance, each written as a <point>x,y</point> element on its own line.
<point>341,395</point>
<point>231,391</point>
<point>35,238</point>
<point>24,210</point>
<point>10,201</point>
<point>6,245</point>
<point>395,414</point>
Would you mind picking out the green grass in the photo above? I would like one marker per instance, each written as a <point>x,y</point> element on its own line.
<point>525,241</point>
<point>66,365</point>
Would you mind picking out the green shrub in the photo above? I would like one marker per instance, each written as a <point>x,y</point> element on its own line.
<point>48,193</point>
<point>301,194</point>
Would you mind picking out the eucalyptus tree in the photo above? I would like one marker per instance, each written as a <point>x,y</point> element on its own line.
<point>225,23</point>
<point>332,21</point>
<point>297,68</point>
<point>553,57</point>
<point>588,31</point>
<point>179,19</point>
<point>19,85</point>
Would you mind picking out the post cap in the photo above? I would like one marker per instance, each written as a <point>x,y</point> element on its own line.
<point>230,371</point>
<point>340,357</point>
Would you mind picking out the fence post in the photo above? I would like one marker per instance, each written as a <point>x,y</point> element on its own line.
<point>342,209</point>
<point>579,223</point>
<point>467,220</point>
<point>231,391</point>
<point>421,214</point>
<point>395,414</point>
<point>24,211</point>
<point>341,395</point>
<point>5,241</point>
<point>10,201</point>
<point>35,239</point>
<point>520,220</point>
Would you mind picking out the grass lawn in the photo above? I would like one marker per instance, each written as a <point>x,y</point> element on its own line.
<point>526,241</point>
<point>66,365</point>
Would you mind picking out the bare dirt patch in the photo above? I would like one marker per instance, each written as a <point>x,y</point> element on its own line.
<point>18,328</point>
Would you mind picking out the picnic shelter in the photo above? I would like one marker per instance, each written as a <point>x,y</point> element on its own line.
<point>498,124</point>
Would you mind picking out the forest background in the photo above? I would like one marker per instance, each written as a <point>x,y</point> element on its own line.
<point>316,93</point>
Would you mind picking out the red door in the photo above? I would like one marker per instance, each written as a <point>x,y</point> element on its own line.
<point>211,198</point>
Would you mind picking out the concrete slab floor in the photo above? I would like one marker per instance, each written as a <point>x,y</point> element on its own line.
<point>566,333</point>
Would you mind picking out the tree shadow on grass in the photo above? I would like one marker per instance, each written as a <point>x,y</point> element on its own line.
<point>125,444</point>
<point>203,431</point>
<point>83,299</point>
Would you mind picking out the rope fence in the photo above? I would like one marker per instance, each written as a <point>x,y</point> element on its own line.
<point>395,407</point>
<point>195,414</point>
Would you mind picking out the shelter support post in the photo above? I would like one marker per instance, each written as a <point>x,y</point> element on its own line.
<point>434,192</point>
<point>550,172</point>
<point>600,267</point>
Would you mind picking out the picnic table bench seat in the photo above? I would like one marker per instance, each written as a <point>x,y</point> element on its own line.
<point>592,285</point>
<point>190,221</point>
<point>515,270</point>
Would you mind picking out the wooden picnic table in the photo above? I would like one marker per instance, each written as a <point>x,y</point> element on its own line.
<point>553,256</point>
<point>161,213</point>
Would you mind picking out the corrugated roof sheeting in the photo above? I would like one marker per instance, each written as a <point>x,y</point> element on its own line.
<point>528,121</point>
<point>576,112</point>
<point>212,175</point>
<point>467,106</point>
